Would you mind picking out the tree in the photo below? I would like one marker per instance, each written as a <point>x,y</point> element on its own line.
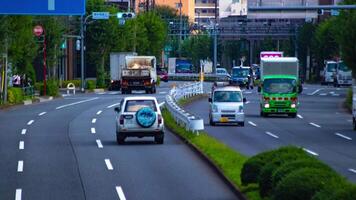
<point>197,47</point>
<point>345,30</point>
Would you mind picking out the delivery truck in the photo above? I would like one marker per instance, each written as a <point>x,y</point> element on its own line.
<point>279,86</point>
<point>139,73</point>
<point>117,63</point>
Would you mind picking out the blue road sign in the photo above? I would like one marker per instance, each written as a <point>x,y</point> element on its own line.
<point>42,7</point>
<point>335,12</point>
<point>101,15</point>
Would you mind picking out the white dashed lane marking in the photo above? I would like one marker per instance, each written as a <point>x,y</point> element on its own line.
<point>252,124</point>
<point>120,193</point>
<point>99,112</point>
<point>20,166</point>
<point>352,170</point>
<point>23,132</point>
<point>316,125</point>
<point>18,194</point>
<point>300,117</point>
<point>311,152</point>
<point>93,121</point>
<point>272,135</point>
<point>343,136</point>
<point>108,164</point>
<point>30,122</point>
<point>100,145</point>
<point>21,145</point>
<point>42,113</point>
<point>93,131</point>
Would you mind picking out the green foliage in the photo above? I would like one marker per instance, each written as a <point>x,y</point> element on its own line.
<point>166,12</point>
<point>91,85</point>
<point>52,88</point>
<point>197,47</point>
<point>253,166</point>
<point>304,184</point>
<point>290,167</point>
<point>15,95</point>
<point>348,101</point>
<point>158,81</point>
<point>337,191</point>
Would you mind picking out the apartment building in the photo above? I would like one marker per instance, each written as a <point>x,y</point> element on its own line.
<point>187,6</point>
<point>206,10</point>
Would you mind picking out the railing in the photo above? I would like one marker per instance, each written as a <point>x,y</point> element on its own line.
<point>183,118</point>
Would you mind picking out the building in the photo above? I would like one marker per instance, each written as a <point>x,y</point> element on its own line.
<point>233,8</point>
<point>206,10</point>
<point>187,6</point>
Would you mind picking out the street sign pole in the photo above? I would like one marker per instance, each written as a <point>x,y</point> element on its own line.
<point>44,65</point>
<point>82,51</point>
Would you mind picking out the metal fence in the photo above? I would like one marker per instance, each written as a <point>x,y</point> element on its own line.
<point>182,117</point>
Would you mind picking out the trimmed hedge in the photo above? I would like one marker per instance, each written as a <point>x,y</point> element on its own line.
<point>252,167</point>
<point>344,191</point>
<point>303,184</point>
<point>348,100</point>
<point>15,95</point>
<point>91,85</point>
<point>52,88</point>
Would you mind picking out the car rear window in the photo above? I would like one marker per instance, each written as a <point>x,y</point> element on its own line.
<point>135,105</point>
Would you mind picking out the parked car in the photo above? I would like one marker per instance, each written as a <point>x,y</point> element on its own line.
<point>226,105</point>
<point>139,117</point>
<point>163,75</point>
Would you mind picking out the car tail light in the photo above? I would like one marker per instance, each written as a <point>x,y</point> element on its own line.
<point>159,119</point>
<point>125,83</point>
<point>121,120</point>
<point>147,83</point>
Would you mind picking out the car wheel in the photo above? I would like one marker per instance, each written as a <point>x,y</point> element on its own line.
<point>211,122</point>
<point>120,138</point>
<point>263,114</point>
<point>293,115</point>
<point>354,123</point>
<point>159,139</point>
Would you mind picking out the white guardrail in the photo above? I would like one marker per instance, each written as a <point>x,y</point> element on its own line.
<point>183,118</point>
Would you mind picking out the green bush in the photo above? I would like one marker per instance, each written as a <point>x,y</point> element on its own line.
<point>283,157</point>
<point>52,88</point>
<point>337,191</point>
<point>77,83</point>
<point>91,85</point>
<point>15,95</point>
<point>303,184</point>
<point>348,101</point>
<point>38,86</point>
<point>252,168</point>
<point>158,81</point>
<point>290,167</point>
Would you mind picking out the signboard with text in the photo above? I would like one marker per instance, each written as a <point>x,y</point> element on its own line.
<point>42,7</point>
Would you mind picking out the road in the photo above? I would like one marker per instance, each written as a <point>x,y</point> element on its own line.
<point>66,149</point>
<point>323,128</point>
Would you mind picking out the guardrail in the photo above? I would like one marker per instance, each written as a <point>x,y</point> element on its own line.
<point>183,118</point>
<point>196,77</point>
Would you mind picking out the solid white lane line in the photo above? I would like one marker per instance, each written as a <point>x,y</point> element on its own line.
<point>316,91</point>
<point>100,145</point>
<point>18,194</point>
<point>108,164</point>
<point>252,124</point>
<point>311,152</point>
<point>272,135</point>
<point>23,132</point>
<point>42,113</point>
<point>162,92</point>
<point>314,124</point>
<point>30,122</point>
<point>323,94</point>
<point>300,117</point>
<point>343,136</point>
<point>101,93</point>
<point>93,120</point>
<point>99,112</point>
<point>161,104</point>
<point>352,170</point>
<point>75,103</point>
<point>120,193</point>
<point>113,105</point>
<point>21,145</point>
<point>20,166</point>
<point>93,131</point>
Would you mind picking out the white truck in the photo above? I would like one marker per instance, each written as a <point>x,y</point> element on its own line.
<point>139,73</point>
<point>344,74</point>
<point>117,63</point>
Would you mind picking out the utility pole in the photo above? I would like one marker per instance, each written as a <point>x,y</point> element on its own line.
<point>180,28</point>
<point>82,51</point>
<point>215,38</point>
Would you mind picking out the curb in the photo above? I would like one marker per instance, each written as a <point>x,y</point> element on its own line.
<point>212,165</point>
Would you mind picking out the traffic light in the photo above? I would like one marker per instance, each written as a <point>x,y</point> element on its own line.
<point>126,15</point>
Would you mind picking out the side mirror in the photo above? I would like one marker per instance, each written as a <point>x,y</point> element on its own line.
<point>117,109</point>
<point>300,88</point>
<point>259,89</point>
<point>210,100</point>
<point>244,100</point>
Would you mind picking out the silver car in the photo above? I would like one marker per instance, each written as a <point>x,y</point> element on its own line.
<point>139,117</point>
<point>227,106</point>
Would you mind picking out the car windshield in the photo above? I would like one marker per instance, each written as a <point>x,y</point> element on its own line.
<point>343,67</point>
<point>279,86</point>
<point>237,72</point>
<point>331,67</point>
<point>135,105</point>
<point>227,96</point>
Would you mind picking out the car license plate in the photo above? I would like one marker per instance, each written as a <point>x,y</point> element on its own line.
<point>136,83</point>
<point>280,110</point>
<point>224,119</point>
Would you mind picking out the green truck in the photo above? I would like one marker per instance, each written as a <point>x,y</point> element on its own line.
<point>279,86</point>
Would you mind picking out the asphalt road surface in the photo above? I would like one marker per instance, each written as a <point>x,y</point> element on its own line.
<point>323,128</point>
<point>66,149</point>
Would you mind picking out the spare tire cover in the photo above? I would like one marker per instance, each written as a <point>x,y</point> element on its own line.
<point>145,117</point>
